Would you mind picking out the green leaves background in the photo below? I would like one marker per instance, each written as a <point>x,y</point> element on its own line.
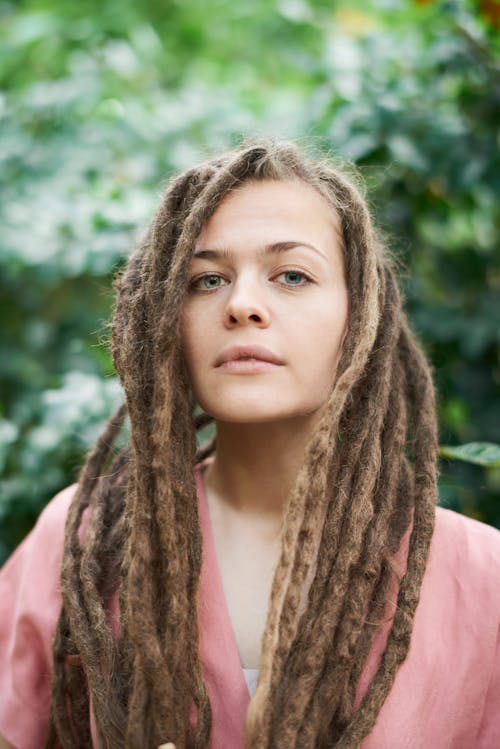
<point>101,102</point>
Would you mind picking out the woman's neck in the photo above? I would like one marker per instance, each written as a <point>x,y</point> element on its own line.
<point>255,467</point>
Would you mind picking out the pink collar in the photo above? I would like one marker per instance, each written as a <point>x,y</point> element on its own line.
<point>219,655</point>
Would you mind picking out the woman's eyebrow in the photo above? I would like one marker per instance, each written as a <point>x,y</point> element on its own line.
<point>275,247</point>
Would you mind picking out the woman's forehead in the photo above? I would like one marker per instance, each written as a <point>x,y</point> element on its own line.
<point>269,208</point>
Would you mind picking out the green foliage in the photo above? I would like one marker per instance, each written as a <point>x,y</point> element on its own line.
<point>101,102</point>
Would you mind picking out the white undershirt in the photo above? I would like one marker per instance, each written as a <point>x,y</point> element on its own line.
<point>251,677</point>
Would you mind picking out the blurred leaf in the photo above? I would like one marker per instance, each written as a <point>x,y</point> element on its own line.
<point>481,453</point>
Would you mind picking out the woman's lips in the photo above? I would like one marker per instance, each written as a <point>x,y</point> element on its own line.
<point>247,360</point>
<point>247,366</point>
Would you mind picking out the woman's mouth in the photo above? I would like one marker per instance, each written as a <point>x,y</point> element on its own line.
<point>247,366</point>
<point>247,360</point>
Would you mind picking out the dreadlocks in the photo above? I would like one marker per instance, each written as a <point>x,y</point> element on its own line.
<point>368,477</point>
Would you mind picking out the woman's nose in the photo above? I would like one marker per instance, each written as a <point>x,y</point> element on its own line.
<point>246,306</point>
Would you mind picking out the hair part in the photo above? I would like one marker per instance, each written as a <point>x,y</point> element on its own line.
<point>368,478</point>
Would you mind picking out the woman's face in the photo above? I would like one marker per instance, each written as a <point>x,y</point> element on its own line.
<point>266,311</point>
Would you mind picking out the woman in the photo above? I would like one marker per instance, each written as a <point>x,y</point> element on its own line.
<point>305,546</point>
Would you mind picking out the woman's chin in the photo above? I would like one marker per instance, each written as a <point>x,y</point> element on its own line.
<point>255,413</point>
<point>248,416</point>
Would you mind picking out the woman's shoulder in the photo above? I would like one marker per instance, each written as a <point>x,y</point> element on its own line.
<point>52,519</point>
<point>49,528</point>
<point>465,554</point>
<point>467,538</point>
<point>43,545</point>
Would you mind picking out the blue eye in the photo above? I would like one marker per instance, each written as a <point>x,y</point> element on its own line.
<point>207,282</point>
<point>210,282</point>
<point>294,278</point>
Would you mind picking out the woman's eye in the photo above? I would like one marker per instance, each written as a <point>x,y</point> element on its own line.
<point>207,282</point>
<point>293,278</point>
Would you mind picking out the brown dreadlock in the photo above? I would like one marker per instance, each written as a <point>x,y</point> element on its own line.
<point>369,475</point>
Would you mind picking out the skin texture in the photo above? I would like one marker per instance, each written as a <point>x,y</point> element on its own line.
<point>293,302</point>
<point>5,744</point>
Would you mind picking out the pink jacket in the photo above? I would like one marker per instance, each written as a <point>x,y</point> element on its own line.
<point>446,694</point>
